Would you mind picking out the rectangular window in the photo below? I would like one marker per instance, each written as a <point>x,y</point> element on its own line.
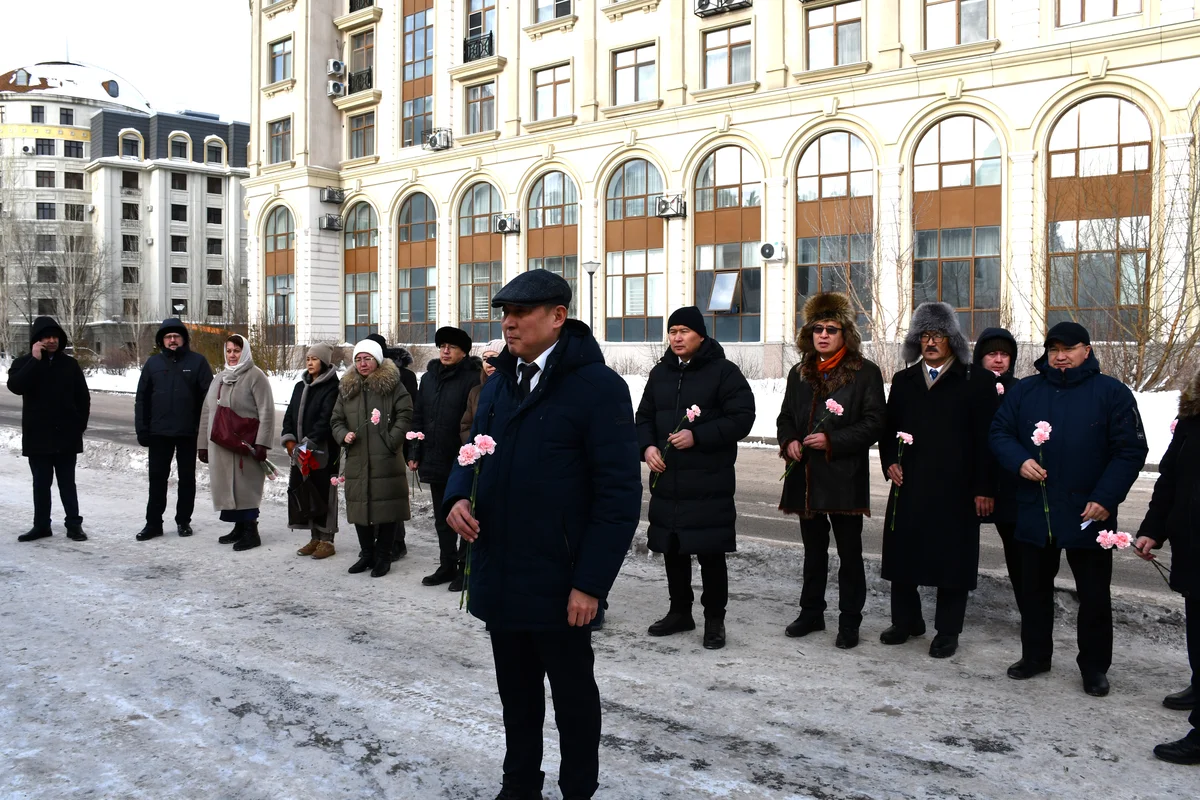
<point>727,56</point>
<point>481,18</point>
<point>47,275</point>
<point>215,154</point>
<point>179,307</point>
<point>417,119</point>
<point>66,116</point>
<point>129,274</point>
<point>835,35</point>
<point>130,211</point>
<point>281,60</point>
<point>214,277</point>
<point>416,302</point>
<point>178,274</point>
<point>45,244</point>
<point>634,78</point>
<point>362,51</point>
<point>179,181</point>
<point>636,295</point>
<point>72,180</point>
<point>178,213</point>
<point>37,115</point>
<point>215,186</point>
<point>960,266</point>
<point>47,307</point>
<point>129,179</point>
<point>418,45</point>
<point>73,212</point>
<point>481,108</point>
<point>552,92</point>
<point>477,285</point>
<point>131,147</point>
<point>952,22</point>
<point>129,243</point>
<point>362,135</point>
<point>552,9</point>
<point>46,211</point>
<point>129,307</point>
<point>44,147</point>
<point>73,149</point>
<point>215,308</point>
<point>214,247</point>
<point>281,140</point>
<point>45,179</point>
<point>178,244</point>
<point>1071,12</point>
<point>212,216</point>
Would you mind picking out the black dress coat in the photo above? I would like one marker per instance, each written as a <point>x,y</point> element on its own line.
<point>693,499</point>
<point>1002,483</point>
<point>837,480</point>
<point>1174,512</point>
<point>55,403</point>
<point>931,532</point>
<point>437,412</point>
<point>318,408</point>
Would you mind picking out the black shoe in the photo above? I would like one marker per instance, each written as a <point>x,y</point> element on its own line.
<point>1183,751</point>
<point>714,634</point>
<point>898,634</point>
<point>382,568</point>
<point>184,529</point>
<point>847,639</point>
<point>1095,684</point>
<point>233,535</point>
<point>943,645</point>
<point>362,565</point>
<point>672,623</point>
<point>456,585</point>
<point>75,533</point>
<point>443,574</point>
<point>249,538</point>
<point>35,534</point>
<point>149,532</point>
<point>508,793</point>
<point>1180,701</point>
<point>804,625</point>
<point>399,551</point>
<point>1025,669</point>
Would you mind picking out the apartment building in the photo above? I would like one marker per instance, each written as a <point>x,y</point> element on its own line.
<point>1025,161</point>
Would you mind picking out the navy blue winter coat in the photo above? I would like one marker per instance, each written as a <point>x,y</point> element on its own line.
<point>559,501</point>
<point>1096,449</point>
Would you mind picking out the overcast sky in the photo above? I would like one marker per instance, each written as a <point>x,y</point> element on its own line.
<point>178,53</point>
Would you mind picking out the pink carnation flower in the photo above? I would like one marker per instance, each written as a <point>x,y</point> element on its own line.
<point>374,416</point>
<point>468,454</point>
<point>999,388</point>
<point>1041,433</point>
<point>1122,540</point>
<point>1044,426</point>
<point>333,481</point>
<point>904,437</point>
<point>1106,539</point>
<point>692,413</point>
<point>1174,422</point>
<point>414,435</point>
<point>834,407</point>
<point>486,444</point>
<point>341,480</point>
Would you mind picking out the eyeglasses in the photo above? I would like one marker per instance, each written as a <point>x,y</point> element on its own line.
<point>832,330</point>
<point>932,338</point>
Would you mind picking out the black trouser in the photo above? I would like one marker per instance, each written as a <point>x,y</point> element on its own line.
<point>450,549</point>
<point>948,618</point>
<point>162,449</point>
<point>852,575</point>
<point>375,540</point>
<point>714,577</point>
<point>1093,576</point>
<point>44,469</point>
<point>1191,610</point>
<point>524,659</point>
<point>1012,557</point>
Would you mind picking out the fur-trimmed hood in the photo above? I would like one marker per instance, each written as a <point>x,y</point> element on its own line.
<point>829,307</point>
<point>935,317</point>
<point>399,355</point>
<point>383,381</point>
<point>1189,399</point>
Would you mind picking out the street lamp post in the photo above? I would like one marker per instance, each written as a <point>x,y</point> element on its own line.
<point>591,267</point>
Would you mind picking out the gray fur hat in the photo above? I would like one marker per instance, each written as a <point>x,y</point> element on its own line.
<point>935,317</point>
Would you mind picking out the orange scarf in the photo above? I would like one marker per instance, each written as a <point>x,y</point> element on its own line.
<point>831,362</point>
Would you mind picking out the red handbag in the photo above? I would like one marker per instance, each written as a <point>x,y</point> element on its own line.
<point>233,432</point>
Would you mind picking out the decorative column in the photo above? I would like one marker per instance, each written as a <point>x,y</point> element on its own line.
<point>1177,218</point>
<point>775,295</point>
<point>892,309</point>
<point>1021,291</point>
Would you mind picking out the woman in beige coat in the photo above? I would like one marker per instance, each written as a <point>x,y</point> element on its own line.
<point>236,476</point>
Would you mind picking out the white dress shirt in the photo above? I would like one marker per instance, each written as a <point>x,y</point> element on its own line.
<point>541,363</point>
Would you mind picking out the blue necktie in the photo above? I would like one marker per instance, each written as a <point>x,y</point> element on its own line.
<point>933,374</point>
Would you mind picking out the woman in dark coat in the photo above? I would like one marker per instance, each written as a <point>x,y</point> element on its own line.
<point>829,486</point>
<point>403,360</point>
<point>692,509</point>
<point>315,454</point>
<point>1174,515</point>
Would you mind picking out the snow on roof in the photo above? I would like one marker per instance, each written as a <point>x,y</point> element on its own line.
<point>66,79</point>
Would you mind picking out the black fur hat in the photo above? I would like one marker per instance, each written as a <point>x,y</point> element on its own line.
<point>935,317</point>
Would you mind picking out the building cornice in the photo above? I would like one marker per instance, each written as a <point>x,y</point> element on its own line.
<point>475,138</point>
<point>832,73</point>
<point>272,89</point>
<point>540,29</point>
<point>614,11</point>
<point>957,51</point>
<point>723,92</point>
<point>358,19</point>
<point>548,124</point>
<point>480,68</point>
<point>358,100</point>
<point>271,10</point>
<point>611,112</point>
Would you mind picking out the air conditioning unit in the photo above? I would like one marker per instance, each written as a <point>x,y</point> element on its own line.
<point>506,223</point>
<point>149,240</point>
<point>27,150</point>
<point>334,67</point>
<point>335,88</point>
<point>333,195</point>
<point>707,8</point>
<point>90,209</point>
<point>670,207</point>
<point>773,251</point>
<point>329,222</point>
<point>438,139</point>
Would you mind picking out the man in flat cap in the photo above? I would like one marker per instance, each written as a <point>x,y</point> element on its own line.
<point>1083,471</point>
<point>437,412</point>
<point>555,511</point>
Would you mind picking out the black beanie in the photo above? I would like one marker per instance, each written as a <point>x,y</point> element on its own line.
<point>690,317</point>
<point>997,343</point>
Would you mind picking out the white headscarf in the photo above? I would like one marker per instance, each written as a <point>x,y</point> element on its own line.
<point>231,374</point>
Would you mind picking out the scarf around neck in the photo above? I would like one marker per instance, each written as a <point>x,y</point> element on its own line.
<point>829,364</point>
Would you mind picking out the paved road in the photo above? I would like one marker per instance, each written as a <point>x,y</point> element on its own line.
<point>757,496</point>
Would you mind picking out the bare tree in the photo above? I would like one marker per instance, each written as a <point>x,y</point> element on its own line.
<point>81,280</point>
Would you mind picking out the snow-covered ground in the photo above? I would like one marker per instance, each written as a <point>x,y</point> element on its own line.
<point>177,668</point>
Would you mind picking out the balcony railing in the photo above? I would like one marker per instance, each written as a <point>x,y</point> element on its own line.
<point>478,47</point>
<point>708,8</point>
<point>359,5</point>
<point>361,81</point>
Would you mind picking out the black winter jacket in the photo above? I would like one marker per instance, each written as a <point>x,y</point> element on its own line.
<point>318,407</point>
<point>1002,483</point>
<point>55,403</point>
<point>438,411</point>
<point>559,501</point>
<point>403,361</point>
<point>838,480</point>
<point>171,392</point>
<point>693,499</point>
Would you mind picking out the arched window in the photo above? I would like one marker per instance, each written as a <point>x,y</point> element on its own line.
<point>181,147</point>
<point>1098,202</point>
<point>727,230</point>
<point>361,272</point>
<point>634,263</point>
<point>416,263</point>
<point>956,221</point>
<point>480,262</point>
<point>552,237</point>
<point>131,145</point>
<point>214,151</point>
<point>279,269</point>
<point>834,216</point>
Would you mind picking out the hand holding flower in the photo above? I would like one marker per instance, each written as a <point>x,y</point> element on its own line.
<point>654,459</point>
<point>817,441</point>
<point>350,437</point>
<point>682,440</point>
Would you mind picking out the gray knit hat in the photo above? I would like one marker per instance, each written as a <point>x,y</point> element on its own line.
<point>321,351</point>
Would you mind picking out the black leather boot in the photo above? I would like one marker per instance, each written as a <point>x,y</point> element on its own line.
<point>233,535</point>
<point>385,536</point>
<point>39,533</point>
<point>672,623</point>
<point>366,549</point>
<point>151,531</point>
<point>75,533</point>
<point>249,538</point>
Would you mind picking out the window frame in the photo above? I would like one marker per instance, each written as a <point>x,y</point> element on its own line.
<point>558,9</point>
<point>836,24</point>
<point>37,115</point>
<point>70,147</point>
<point>44,147</point>
<point>635,68</point>
<point>279,61</point>
<point>728,47</point>
<point>553,86</point>
<point>475,107</point>
<point>958,22</point>
<point>366,132</point>
<point>66,116</point>
<point>279,135</point>
<point>1083,20</point>
<point>362,56</point>
<point>45,179</point>
<point>479,246</point>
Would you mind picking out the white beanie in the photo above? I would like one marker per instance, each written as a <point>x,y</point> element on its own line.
<point>369,347</point>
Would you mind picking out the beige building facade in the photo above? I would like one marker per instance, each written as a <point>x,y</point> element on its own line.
<point>1024,160</point>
